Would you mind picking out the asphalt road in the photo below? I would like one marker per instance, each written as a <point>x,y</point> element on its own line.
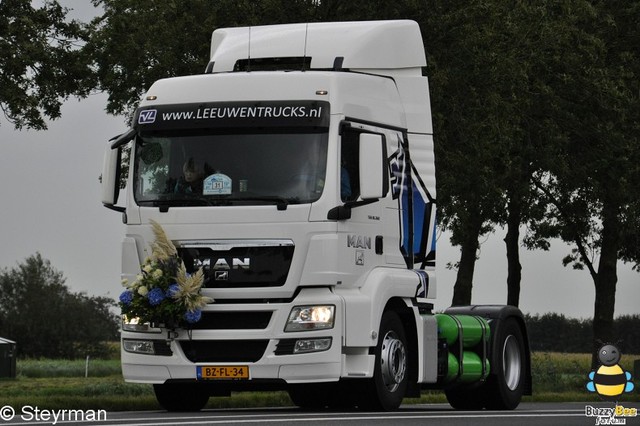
<point>565,414</point>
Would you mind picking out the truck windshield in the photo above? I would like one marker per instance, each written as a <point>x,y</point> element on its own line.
<point>195,169</point>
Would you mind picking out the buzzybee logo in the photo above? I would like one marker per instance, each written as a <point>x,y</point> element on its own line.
<point>610,381</point>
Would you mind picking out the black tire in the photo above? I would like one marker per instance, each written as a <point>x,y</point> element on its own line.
<point>386,390</point>
<point>505,386</point>
<point>310,396</point>
<point>343,395</point>
<point>317,396</point>
<point>181,397</point>
<point>466,399</point>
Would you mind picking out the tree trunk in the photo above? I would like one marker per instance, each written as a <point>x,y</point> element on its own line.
<point>512,241</point>
<point>468,256</point>
<point>605,282</point>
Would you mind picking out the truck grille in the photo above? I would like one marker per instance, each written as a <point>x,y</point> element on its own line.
<point>239,263</point>
<point>233,321</point>
<point>224,350</point>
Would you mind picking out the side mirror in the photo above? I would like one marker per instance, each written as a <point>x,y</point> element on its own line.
<point>111,168</point>
<point>111,178</point>
<point>374,170</point>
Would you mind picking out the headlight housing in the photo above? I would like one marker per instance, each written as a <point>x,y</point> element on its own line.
<point>311,317</point>
<point>145,347</point>
<point>134,324</point>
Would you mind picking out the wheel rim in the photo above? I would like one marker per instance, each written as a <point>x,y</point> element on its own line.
<point>511,362</point>
<point>393,361</point>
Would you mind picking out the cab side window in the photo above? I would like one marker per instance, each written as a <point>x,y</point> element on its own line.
<point>349,167</point>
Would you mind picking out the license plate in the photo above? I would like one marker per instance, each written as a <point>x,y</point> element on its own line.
<point>222,372</point>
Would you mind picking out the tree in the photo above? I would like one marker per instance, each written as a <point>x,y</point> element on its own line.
<point>477,80</point>
<point>132,46</point>
<point>520,93</point>
<point>39,312</point>
<point>41,62</point>
<point>591,182</point>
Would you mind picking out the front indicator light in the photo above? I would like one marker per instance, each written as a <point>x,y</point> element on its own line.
<point>304,346</point>
<point>306,318</point>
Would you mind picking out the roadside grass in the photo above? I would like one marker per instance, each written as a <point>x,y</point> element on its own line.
<point>61,384</point>
<point>37,368</point>
<point>563,377</point>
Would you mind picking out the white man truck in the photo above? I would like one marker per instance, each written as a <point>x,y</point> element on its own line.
<point>298,173</point>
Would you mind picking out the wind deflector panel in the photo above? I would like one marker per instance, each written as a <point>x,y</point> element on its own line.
<point>239,264</point>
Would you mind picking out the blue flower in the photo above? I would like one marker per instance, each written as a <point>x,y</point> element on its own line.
<point>126,297</point>
<point>173,290</point>
<point>193,316</point>
<point>155,296</point>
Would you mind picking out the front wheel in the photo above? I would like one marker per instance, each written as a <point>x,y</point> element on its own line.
<point>181,397</point>
<point>311,396</point>
<point>504,388</point>
<point>385,391</point>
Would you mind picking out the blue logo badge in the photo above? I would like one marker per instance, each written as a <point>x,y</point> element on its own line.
<point>147,116</point>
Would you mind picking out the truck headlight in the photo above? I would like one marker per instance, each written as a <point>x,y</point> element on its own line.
<point>305,318</point>
<point>134,324</point>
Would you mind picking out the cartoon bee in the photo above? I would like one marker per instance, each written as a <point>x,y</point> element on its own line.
<point>609,380</point>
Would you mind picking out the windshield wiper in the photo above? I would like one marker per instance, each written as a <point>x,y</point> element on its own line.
<point>165,204</point>
<point>281,202</point>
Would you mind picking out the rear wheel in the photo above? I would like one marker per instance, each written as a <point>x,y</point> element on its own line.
<point>465,399</point>
<point>504,388</point>
<point>387,388</point>
<point>181,397</point>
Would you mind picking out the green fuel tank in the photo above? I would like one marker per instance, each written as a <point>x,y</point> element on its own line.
<point>471,328</point>
<point>471,367</point>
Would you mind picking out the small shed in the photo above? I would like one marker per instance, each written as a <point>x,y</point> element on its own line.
<point>7,358</point>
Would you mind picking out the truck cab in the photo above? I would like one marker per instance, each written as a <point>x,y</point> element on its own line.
<point>298,174</point>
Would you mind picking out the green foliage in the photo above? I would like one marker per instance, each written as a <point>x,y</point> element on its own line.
<point>40,368</point>
<point>51,392</point>
<point>136,43</point>
<point>555,372</point>
<point>46,320</point>
<point>41,61</point>
<point>589,174</point>
<point>557,333</point>
<point>485,71</point>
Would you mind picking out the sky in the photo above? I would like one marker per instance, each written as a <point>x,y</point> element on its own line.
<point>50,203</point>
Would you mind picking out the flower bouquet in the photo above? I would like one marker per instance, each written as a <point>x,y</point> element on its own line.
<point>164,293</point>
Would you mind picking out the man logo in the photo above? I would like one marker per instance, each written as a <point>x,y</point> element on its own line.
<point>222,275</point>
<point>147,116</point>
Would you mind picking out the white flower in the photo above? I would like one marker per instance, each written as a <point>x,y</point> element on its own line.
<point>125,282</point>
<point>157,273</point>
<point>136,283</point>
<point>142,291</point>
<point>147,268</point>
